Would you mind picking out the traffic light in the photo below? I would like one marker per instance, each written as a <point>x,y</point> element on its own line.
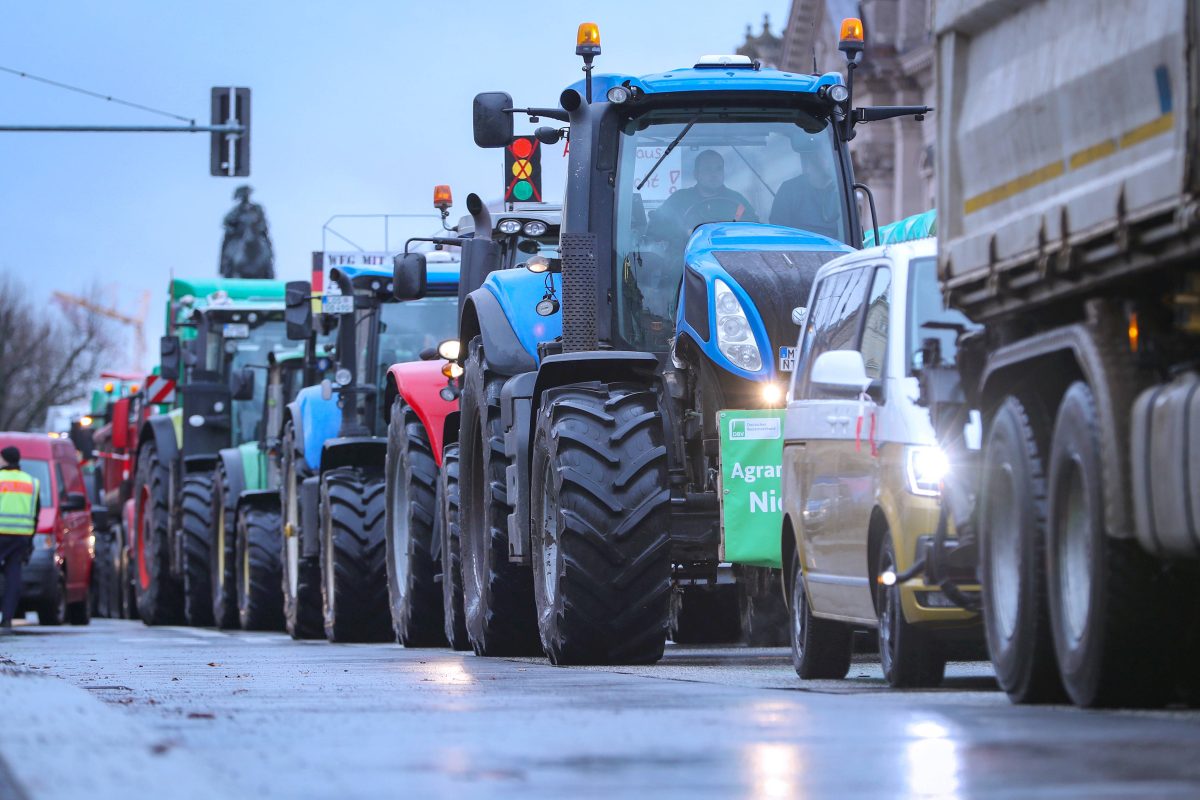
<point>230,153</point>
<point>523,170</point>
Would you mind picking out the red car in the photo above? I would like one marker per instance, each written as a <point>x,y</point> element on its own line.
<point>55,581</point>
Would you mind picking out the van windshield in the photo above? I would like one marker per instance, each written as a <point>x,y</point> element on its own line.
<point>926,306</point>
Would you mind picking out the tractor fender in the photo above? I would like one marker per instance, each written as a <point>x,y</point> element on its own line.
<point>450,427</point>
<point>364,452</point>
<point>259,499</point>
<point>310,505</point>
<point>502,311</point>
<point>420,384</point>
<point>161,430</point>
<point>291,413</point>
<point>319,420</point>
<point>231,459</point>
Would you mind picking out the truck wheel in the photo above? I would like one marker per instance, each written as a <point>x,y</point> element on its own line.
<point>600,511</point>
<point>703,614</point>
<point>300,574</point>
<point>159,596</point>
<point>260,606</point>
<point>1110,626</point>
<point>910,657</point>
<point>761,607</point>
<point>196,523</point>
<point>452,588</point>
<point>1012,525</point>
<point>414,595</point>
<point>53,609</point>
<point>497,595</point>
<point>821,648</point>
<point>353,558</point>
<point>222,562</point>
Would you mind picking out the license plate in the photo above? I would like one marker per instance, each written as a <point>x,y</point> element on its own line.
<point>787,359</point>
<point>337,303</point>
<point>236,330</point>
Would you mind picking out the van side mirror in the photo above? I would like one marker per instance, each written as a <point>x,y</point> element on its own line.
<point>169,354</point>
<point>492,119</point>
<point>840,372</point>
<point>241,384</point>
<point>408,276</point>
<point>297,313</point>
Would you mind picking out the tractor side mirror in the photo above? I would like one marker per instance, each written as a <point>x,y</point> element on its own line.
<point>169,355</point>
<point>408,276</point>
<point>492,119</point>
<point>241,384</point>
<point>74,501</point>
<point>297,313</point>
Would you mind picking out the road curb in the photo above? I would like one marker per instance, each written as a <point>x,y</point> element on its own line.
<point>57,741</point>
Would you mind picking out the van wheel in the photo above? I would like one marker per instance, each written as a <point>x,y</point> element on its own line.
<point>820,647</point>
<point>1110,623</point>
<point>909,656</point>
<point>1012,558</point>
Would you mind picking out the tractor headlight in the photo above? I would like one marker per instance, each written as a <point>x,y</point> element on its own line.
<point>534,227</point>
<point>509,226</point>
<point>735,340</point>
<point>450,349</point>
<point>925,468</point>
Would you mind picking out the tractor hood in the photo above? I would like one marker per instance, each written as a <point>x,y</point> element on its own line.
<point>518,292</point>
<point>769,269</point>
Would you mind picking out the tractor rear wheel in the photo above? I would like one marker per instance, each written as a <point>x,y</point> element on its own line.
<point>452,577</point>
<point>600,515</point>
<point>196,525</point>
<point>497,594</point>
<point>223,552</point>
<point>159,595</point>
<point>353,558</point>
<point>260,605</point>
<point>414,595</point>
<point>103,586</point>
<point>300,575</point>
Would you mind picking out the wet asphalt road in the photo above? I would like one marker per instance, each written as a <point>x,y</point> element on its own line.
<point>258,715</point>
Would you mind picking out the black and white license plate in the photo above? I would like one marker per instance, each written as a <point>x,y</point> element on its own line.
<point>787,359</point>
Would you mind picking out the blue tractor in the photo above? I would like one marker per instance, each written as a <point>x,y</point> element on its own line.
<point>699,204</point>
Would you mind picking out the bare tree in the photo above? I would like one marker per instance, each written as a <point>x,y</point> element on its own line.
<point>49,355</point>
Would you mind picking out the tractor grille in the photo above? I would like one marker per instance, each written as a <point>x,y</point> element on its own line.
<point>578,253</point>
<point>778,281</point>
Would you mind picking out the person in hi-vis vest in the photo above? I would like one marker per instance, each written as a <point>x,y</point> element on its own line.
<point>18,520</point>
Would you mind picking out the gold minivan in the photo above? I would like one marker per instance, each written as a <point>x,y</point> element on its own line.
<point>862,470</point>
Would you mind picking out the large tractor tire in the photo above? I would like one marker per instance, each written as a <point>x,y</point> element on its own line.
<point>600,516</point>
<point>1012,568</point>
<point>260,605</point>
<point>300,576</point>
<point>910,656</point>
<point>353,558</point>
<point>413,570</point>
<point>159,595</point>
<point>702,614</point>
<point>448,528</point>
<point>196,528</point>
<point>223,552</point>
<point>497,594</point>
<point>821,648</point>
<point>761,607</point>
<point>1112,627</point>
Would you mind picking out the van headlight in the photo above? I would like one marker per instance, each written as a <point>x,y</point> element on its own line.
<point>735,339</point>
<point>925,467</point>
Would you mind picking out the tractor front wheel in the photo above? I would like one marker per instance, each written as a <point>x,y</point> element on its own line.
<point>260,605</point>
<point>600,506</point>
<point>353,568</point>
<point>196,523</point>
<point>448,528</point>
<point>300,575</point>
<point>223,552</point>
<point>159,595</point>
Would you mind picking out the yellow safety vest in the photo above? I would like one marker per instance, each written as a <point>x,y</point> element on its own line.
<point>18,500</point>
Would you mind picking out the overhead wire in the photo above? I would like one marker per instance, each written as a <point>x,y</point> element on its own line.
<point>98,95</point>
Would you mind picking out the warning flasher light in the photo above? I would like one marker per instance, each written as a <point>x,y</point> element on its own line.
<point>108,388</point>
<point>442,198</point>
<point>587,40</point>
<point>851,39</point>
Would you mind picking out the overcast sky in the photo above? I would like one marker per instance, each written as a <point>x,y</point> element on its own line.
<point>358,108</point>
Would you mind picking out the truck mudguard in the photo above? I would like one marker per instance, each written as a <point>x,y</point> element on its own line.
<point>768,268</point>
<point>420,384</point>
<point>318,421</point>
<point>503,312</point>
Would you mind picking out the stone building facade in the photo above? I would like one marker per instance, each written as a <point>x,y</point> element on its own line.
<point>894,157</point>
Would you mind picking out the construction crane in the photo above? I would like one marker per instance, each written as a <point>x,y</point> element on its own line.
<point>137,323</point>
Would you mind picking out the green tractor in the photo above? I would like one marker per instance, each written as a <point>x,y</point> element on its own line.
<point>216,331</point>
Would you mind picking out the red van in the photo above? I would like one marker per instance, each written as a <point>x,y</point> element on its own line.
<point>55,581</point>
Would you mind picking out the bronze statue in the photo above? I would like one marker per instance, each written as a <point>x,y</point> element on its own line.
<point>246,250</point>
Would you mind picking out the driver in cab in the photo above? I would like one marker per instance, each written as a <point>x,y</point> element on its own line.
<point>709,200</point>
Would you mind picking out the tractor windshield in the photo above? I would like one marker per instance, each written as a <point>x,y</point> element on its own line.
<point>269,337</point>
<point>408,328</point>
<point>680,168</point>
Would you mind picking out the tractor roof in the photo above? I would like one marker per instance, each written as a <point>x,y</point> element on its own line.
<point>710,79</point>
<point>440,275</point>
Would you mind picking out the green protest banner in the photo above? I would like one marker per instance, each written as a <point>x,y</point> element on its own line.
<point>751,489</point>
